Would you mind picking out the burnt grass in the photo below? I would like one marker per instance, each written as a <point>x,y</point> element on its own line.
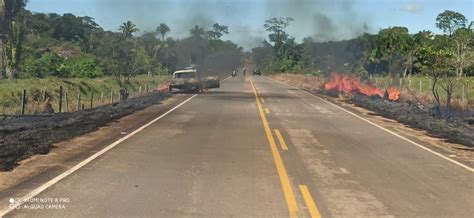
<point>24,136</point>
<point>458,128</point>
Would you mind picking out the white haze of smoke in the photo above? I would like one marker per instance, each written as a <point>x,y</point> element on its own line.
<point>412,8</point>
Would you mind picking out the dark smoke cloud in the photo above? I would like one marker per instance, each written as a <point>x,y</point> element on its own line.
<point>323,20</point>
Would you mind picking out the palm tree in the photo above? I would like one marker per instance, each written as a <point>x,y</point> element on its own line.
<point>163,29</point>
<point>10,35</point>
<point>128,29</point>
<point>197,32</point>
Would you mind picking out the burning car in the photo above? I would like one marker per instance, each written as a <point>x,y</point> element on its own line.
<point>189,80</point>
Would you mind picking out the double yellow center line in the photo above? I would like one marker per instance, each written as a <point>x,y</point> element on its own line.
<point>285,181</point>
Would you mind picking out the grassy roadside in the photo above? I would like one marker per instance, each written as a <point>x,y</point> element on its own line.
<point>100,90</point>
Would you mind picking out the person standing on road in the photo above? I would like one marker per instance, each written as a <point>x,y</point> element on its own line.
<point>245,71</point>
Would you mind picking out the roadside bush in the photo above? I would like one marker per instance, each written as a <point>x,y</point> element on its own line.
<point>287,65</point>
<point>84,66</point>
<point>46,65</point>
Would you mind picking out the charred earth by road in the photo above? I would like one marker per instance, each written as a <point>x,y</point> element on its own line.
<point>458,128</point>
<point>22,137</point>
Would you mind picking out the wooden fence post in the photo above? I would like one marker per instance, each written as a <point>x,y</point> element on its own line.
<point>101,97</point>
<point>92,99</point>
<point>67,102</point>
<point>23,102</point>
<point>60,99</point>
<point>79,101</point>
<point>111,96</point>
<point>421,86</point>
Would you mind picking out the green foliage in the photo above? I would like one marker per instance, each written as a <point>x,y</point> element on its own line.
<point>287,65</point>
<point>197,32</point>
<point>128,29</point>
<point>84,66</point>
<point>163,29</point>
<point>392,51</point>
<point>283,44</point>
<point>47,64</point>
<point>449,21</point>
<point>217,31</point>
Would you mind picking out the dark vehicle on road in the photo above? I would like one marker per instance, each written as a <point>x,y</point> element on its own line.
<point>257,72</point>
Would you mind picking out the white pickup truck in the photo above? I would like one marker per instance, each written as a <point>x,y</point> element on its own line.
<point>190,80</point>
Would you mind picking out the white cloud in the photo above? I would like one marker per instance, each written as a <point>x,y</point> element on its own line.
<point>412,8</point>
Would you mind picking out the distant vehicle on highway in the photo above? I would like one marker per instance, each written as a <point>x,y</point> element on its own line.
<point>257,72</point>
<point>190,80</point>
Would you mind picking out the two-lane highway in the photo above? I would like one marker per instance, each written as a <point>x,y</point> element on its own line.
<point>257,148</point>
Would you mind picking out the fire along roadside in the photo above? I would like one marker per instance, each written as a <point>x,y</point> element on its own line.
<point>350,84</point>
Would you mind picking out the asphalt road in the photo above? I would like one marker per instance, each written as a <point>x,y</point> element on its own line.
<point>257,148</point>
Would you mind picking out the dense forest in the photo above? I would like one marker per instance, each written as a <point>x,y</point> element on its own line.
<point>392,51</point>
<point>43,45</point>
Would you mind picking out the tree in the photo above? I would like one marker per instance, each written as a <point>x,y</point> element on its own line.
<point>2,40</point>
<point>129,59</point>
<point>449,21</point>
<point>11,35</point>
<point>197,32</point>
<point>163,29</point>
<point>217,31</point>
<point>128,29</point>
<point>462,38</point>
<point>276,27</point>
<point>436,63</point>
<point>14,48</point>
<point>71,28</point>
<point>392,45</point>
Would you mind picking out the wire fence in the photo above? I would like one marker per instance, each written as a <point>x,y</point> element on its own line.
<point>60,100</point>
<point>463,89</point>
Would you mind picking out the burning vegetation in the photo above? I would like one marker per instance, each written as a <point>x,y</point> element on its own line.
<point>351,84</point>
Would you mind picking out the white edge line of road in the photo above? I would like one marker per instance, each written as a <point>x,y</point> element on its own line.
<point>226,79</point>
<point>68,172</point>
<point>383,128</point>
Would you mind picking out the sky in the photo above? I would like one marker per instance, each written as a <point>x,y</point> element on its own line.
<point>323,20</point>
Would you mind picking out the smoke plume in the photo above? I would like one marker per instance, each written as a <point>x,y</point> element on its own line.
<point>323,20</point>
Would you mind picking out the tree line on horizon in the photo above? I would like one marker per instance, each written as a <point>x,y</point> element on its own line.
<point>393,51</point>
<point>37,45</point>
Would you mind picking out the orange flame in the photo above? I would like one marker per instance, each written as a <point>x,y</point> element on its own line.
<point>350,84</point>
<point>163,86</point>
